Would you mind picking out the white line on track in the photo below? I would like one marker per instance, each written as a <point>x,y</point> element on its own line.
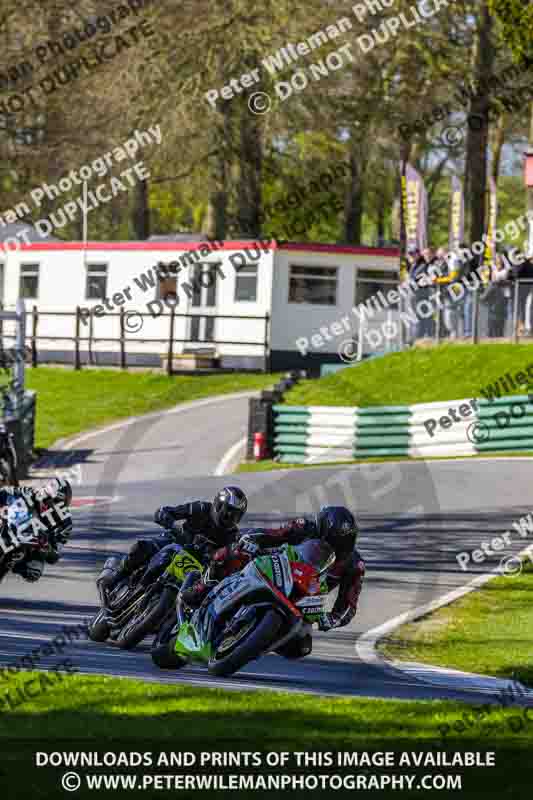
<point>365,645</point>
<point>227,461</point>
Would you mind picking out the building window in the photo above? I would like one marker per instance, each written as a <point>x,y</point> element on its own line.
<point>246,283</point>
<point>371,281</point>
<point>96,287</point>
<point>29,281</point>
<point>316,285</point>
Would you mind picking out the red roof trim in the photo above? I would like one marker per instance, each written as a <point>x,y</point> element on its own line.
<point>341,248</point>
<point>163,246</point>
<point>142,246</point>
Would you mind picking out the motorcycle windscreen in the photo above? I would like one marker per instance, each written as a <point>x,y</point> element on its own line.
<point>314,552</point>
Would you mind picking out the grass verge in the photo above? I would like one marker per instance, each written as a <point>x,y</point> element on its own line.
<point>448,372</point>
<point>69,402</point>
<point>269,464</point>
<point>488,631</point>
<point>102,714</point>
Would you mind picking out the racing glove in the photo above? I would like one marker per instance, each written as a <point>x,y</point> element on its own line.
<point>327,621</point>
<point>246,544</point>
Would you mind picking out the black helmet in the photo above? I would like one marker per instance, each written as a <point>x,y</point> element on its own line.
<point>335,521</point>
<point>229,506</point>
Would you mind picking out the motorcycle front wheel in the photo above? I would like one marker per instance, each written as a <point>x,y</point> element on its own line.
<point>231,656</point>
<point>163,653</point>
<point>99,629</point>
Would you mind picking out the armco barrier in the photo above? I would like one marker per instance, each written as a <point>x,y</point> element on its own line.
<point>303,434</point>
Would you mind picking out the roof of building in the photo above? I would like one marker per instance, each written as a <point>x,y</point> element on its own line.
<point>163,244</point>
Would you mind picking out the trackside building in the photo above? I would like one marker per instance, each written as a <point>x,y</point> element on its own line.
<point>245,303</point>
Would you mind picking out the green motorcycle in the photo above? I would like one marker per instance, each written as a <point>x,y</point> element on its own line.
<point>269,605</point>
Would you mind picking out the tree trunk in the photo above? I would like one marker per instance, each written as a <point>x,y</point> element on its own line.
<point>477,138</point>
<point>497,146</point>
<point>354,203</point>
<point>141,212</point>
<point>250,168</point>
<point>218,163</point>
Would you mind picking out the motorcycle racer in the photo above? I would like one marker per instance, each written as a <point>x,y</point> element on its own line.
<point>336,526</point>
<point>213,524</point>
<point>46,512</point>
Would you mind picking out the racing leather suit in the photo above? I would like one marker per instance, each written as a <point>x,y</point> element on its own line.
<point>183,525</point>
<point>49,517</point>
<point>347,572</point>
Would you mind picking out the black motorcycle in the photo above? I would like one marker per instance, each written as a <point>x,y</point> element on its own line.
<point>8,458</point>
<point>137,605</point>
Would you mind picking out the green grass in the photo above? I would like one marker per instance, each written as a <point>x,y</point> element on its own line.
<point>92,713</point>
<point>69,402</point>
<point>448,372</point>
<point>489,631</point>
<point>269,464</point>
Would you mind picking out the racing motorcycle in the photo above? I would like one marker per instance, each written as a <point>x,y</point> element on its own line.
<point>8,458</point>
<point>140,603</point>
<point>267,606</point>
<point>18,540</point>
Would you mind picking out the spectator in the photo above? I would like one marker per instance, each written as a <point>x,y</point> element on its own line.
<point>522,271</point>
<point>448,265</point>
<point>493,296</point>
<point>422,276</point>
<point>467,266</point>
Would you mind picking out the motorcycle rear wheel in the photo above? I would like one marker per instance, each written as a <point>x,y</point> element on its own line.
<point>264,633</point>
<point>148,622</point>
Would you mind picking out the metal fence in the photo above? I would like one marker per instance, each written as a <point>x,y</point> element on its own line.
<point>500,311</point>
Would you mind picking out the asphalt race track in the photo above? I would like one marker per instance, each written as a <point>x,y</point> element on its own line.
<point>415,517</point>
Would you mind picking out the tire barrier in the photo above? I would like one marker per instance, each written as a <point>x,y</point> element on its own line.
<point>304,434</point>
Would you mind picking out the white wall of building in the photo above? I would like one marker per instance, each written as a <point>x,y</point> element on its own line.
<point>63,279</point>
<point>293,321</point>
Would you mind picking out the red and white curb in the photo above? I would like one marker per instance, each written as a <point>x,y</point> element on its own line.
<point>81,503</point>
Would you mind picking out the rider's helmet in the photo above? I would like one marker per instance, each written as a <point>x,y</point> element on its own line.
<point>61,490</point>
<point>334,522</point>
<point>229,506</point>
